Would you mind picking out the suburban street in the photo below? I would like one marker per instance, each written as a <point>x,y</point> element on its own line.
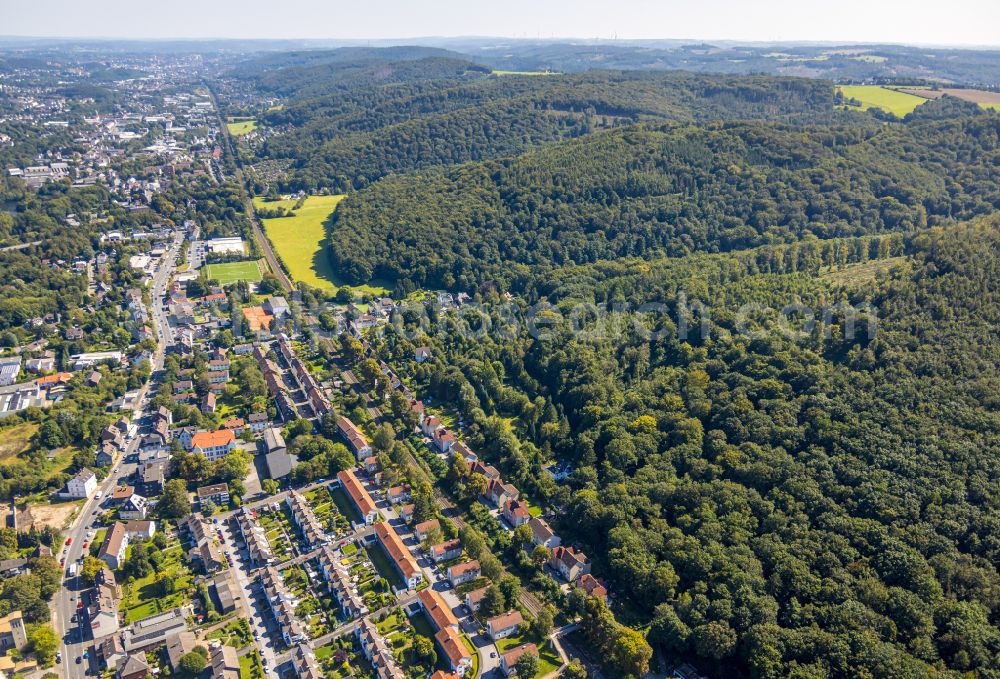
<point>76,638</point>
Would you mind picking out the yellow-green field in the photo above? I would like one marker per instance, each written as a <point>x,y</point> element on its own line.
<point>241,127</point>
<point>301,242</point>
<point>873,96</point>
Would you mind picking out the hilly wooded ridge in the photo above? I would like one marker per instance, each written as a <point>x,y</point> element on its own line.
<point>666,190</point>
<point>355,134</point>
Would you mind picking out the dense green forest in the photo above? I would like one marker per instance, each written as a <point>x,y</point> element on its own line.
<point>665,190</point>
<point>355,133</point>
<point>777,503</point>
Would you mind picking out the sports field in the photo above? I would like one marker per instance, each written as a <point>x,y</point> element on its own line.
<point>873,96</point>
<point>240,127</point>
<point>230,272</point>
<point>301,242</point>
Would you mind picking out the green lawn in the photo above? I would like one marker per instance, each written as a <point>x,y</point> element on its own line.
<point>230,272</point>
<point>241,127</point>
<point>144,597</point>
<point>384,566</point>
<point>250,667</point>
<point>548,659</point>
<point>301,241</point>
<point>873,96</point>
<point>344,504</point>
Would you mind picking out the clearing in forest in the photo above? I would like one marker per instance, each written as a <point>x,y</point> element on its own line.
<point>873,96</point>
<point>301,241</point>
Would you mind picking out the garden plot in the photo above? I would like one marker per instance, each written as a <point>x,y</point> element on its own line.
<point>318,618</point>
<point>326,511</point>
<point>280,530</point>
<point>339,659</point>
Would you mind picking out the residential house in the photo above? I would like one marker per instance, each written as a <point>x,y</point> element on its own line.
<point>421,354</point>
<point>508,660</point>
<point>475,597</point>
<point>569,563</point>
<point>498,492</point>
<point>12,632</point>
<point>426,528</point>
<point>135,508</point>
<point>506,625</point>
<point>217,493</point>
<point>454,651</point>
<point>398,494</point>
<point>178,646</point>
<point>444,439</point>
<point>225,663</point>
<point>282,605</point>
<point>446,551</point>
<point>437,609</point>
<point>258,422</point>
<point>213,444</point>
<point>467,571</point>
<point>542,533</point>
<point>82,485</point>
<point>377,651</point>
<point>304,517</point>
<point>592,586</point>
<point>515,513</point>
<point>134,667</point>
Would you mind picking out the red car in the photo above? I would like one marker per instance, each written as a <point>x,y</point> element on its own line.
<point>69,541</point>
<point>85,545</point>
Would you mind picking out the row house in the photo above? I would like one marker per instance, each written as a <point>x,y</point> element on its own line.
<point>258,422</point>
<point>340,584</point>
<point>400,556</point>
<point>255,538</point>
<point>454,651</point>
<point>377,651</point>
<point>357,440</point>
<point>282,605</point>
<point>359,496</point>
<point>304,663</point>
<point>305,519</point>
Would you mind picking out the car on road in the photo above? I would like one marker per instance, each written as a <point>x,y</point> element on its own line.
<point>58,656</point>
<point>69,541</point>
<point>79,659</point>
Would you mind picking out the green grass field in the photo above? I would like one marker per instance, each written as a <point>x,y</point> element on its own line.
<point>230,272</point>
<point>301,242</point>
<point>873,96</point>
<point>241,127</point>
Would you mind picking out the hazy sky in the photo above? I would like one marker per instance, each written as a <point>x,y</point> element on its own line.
<point>955,22</point>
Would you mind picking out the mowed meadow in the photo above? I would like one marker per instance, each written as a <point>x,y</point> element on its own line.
<point>874,96</point>
<point>301,241</point>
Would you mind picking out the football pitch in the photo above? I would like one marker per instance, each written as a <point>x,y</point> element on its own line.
<point>230,272</point>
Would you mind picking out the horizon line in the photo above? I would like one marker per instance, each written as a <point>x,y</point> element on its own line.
<point>412,40</point>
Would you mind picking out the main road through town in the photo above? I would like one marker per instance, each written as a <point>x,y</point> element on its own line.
<point>74,631</point>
